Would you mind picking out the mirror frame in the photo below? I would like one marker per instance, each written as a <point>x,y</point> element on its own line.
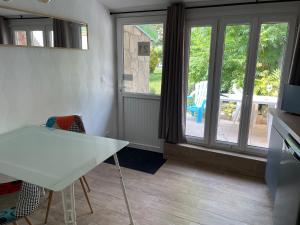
<point>50,16</point>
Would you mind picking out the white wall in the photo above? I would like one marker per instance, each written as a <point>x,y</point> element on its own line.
<point>37,83</point>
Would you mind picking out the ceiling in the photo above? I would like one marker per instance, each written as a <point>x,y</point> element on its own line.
<point>9,13</point>
<point>129,5</point>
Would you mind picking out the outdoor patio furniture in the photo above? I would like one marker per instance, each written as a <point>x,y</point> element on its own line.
<point>199,97</point>
<point>270,101</point>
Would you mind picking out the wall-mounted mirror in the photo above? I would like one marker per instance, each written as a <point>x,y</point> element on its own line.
<point>25,29</point>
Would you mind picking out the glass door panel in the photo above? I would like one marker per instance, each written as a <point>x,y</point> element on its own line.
<point>271,52</point>
<point>199,58</point>
<point>143,58</point>
<point>233,72</point>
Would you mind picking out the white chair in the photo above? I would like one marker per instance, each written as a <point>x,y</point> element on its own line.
<point>199,95</point>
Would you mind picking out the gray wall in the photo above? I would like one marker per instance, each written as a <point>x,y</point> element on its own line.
<point>36,83</point>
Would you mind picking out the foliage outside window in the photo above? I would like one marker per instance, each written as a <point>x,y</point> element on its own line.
<point>155,31</point>
<point>268,70</point>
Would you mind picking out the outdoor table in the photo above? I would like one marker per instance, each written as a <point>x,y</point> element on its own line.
<point>257,99</point>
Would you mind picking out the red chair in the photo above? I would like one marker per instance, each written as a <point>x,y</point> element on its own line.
<point>19,200</point>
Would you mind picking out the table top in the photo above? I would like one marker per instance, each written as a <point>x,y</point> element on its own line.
<point>259,99</point>
<point>52,158</point>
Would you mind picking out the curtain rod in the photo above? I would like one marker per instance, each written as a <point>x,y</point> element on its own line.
<point>257,2</point>
<point>25,18</point>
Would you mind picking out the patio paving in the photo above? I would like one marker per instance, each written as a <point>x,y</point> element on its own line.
<point>228,131</point>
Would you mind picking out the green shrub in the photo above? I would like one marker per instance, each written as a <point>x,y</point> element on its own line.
<point>267,83</point>
<point>154,59</point>
<point>228,108</point>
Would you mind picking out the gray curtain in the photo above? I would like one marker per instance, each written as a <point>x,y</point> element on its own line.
<point>66,34</point>
<point>172,105</point>
<point>295,69</point>
<point>5,34</point>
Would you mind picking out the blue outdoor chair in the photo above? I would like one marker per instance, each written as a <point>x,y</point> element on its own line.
<point>199,104</point>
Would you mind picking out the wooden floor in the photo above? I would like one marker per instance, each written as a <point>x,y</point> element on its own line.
<point>178,194</point>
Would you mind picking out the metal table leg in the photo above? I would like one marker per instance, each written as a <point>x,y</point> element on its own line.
<point>124,189</point>
<point>68,198</point>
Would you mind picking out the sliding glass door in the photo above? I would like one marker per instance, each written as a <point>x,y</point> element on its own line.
<point>273,39</point>
<point>201,50</point>
<point>234,65</point>
<point>235,72</point>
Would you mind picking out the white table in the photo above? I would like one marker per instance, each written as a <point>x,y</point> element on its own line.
<point>256,100</point>
<point>55,159</point>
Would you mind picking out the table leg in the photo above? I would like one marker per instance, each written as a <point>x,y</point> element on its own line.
<point>253,117</point>
<point>269,121</point>
<point>124,189</point>
<point>68,198</point>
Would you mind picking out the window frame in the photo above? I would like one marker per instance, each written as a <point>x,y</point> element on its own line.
<point>288,55</point>
<point>255,21</point>
<point>202,23</point>
<point>120,45</point>
<point>29,26</point>
<point>14,37</point>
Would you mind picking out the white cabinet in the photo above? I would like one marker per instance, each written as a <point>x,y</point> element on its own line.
<point>274,157</point>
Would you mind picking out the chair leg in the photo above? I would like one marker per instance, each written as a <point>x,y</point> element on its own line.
<point>86,194</point>
<point>48,206</point>
<point>86,183</point>
<point>27,220</point>
<point>199,116</point>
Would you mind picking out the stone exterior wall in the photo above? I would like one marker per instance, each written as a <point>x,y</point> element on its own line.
<point>137,66</point>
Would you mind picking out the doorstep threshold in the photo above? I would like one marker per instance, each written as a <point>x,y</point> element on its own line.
<point>224,152</point>
<point>225,160</point>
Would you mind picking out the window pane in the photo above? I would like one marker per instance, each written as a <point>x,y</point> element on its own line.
<point>20,38</point>
<point>51,39</point>
<point>272,45</point>
<point>84,37</point>
<point>200,43</point>
<point>143,54</point>
<point>37,38</point>
<point>232,81</point>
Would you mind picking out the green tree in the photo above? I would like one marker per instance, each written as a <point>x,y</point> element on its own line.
<point>272,44</point>
<point>154,59</point>
<point>234,57</point>
<point>273,39</point>
<point>199,54</point>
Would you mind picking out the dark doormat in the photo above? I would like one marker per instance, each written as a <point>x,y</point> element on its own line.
<point>141,160</point>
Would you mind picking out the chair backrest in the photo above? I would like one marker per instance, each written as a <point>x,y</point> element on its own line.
<point>200,93</point>
<point>70,123</point>
<point>27,200</point>
<point>10,187</point>
<point>236,90</point>
<point>9,193</point>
